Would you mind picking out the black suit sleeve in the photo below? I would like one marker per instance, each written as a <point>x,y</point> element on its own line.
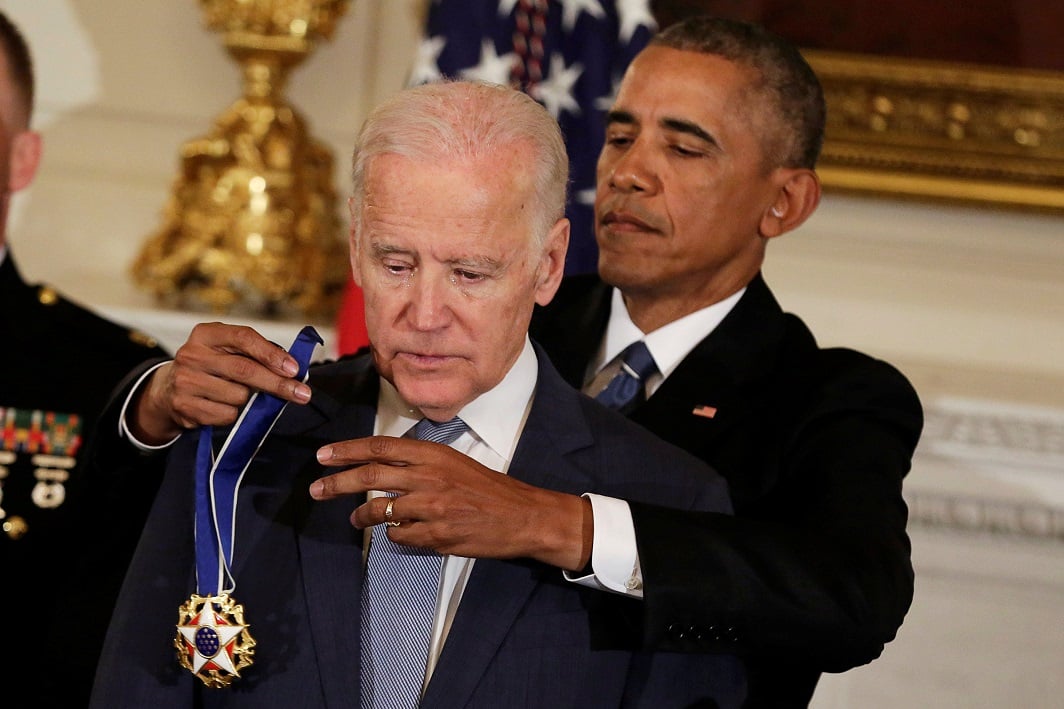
<point>817,569</point>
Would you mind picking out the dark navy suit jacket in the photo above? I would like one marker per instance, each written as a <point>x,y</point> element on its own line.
<point>522,636</point>
<point>812,573</point>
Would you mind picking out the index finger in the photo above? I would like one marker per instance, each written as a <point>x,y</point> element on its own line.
<point>388,450</point>
<point>240,354</point>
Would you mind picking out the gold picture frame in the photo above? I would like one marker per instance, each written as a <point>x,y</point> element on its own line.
<point>928,100</point>
<point>942,130</point>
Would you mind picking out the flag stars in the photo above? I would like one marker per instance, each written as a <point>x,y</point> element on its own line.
<point>556,91</point>
<point>426,64</point>
<point>572,8</point>
<point>492,68</point>
<point>605,103</point>
<point>633,15</point>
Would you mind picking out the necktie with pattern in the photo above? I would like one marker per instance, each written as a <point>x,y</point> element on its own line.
<point>398,605</point>
<point>627,389</point>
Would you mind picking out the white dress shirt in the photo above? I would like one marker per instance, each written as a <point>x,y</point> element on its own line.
<point>614,557</point>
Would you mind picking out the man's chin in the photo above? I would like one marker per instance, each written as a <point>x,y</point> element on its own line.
<point>431,395</point>
<point>619,273</point>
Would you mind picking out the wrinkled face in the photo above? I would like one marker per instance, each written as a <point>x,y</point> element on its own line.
<point>450,272</point>
<point>681,186</point>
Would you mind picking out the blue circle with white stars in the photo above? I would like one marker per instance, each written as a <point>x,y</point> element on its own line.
<point>207,643</point>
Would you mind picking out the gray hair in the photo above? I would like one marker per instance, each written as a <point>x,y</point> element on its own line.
<point>449,120</point>
<point>786,80</point>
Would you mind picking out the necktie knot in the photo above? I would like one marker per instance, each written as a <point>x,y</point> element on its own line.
<point>627,389</point>
<point>638,361</point>
<point>446,432</point>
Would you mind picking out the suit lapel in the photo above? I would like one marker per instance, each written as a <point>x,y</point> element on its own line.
<point>497,591</point>
<point>330,547</point>
<point>710,389</point>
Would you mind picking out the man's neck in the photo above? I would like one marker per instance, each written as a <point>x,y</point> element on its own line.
<point>653,312</point>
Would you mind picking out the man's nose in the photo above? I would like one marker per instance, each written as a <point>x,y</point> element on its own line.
<point>633,170</point>
<point>428,308</point>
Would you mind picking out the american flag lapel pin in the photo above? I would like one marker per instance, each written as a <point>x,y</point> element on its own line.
<point>705,411</point>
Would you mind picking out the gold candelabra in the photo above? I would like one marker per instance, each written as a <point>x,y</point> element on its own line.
<point>252,218</point>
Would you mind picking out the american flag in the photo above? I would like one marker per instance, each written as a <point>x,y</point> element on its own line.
<point>567,54</point>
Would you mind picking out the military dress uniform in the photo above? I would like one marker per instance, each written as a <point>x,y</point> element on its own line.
<point>58,365</point>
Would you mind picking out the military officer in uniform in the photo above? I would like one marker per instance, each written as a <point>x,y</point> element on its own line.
<point>58,364</point>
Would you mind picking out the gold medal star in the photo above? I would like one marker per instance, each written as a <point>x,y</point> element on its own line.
<point>209,638</point>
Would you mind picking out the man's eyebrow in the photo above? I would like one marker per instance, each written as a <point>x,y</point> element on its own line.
<point>680,126</point>
<point>676,125</point>
<point>381,249</point>
<point>478,263</point>
<point>619,116</point>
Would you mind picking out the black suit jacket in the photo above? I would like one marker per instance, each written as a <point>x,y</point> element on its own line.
<point>813,572</point>
<point>522,635</point>
<point>59,362</point>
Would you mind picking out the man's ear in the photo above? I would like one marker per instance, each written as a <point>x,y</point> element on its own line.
<point>25,157</point>
<point>796,200</point>
<point>552,262</point>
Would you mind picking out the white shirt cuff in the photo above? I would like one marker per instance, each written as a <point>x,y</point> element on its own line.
<point>614,557</point>
<point>123,428</point>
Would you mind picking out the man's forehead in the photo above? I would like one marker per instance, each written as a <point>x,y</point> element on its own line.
<point>678,89</point>
<point>659,71</point>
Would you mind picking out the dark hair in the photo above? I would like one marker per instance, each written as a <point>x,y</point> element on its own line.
<point>19,63</point>
<point>786,81</point>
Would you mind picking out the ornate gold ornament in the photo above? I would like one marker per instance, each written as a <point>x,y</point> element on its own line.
<point>252,218</point>
<point>942,130</point>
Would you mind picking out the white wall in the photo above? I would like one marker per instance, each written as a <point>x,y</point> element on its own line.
<point>968,301</point>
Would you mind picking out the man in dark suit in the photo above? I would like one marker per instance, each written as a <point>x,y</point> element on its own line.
<point>457,232</point>
<point>59,362</point>
<point>710,153</point>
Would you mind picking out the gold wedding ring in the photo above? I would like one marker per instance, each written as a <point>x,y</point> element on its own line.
<point>388,510</point>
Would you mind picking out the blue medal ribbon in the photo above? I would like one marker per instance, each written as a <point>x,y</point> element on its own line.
<point>218,477</point>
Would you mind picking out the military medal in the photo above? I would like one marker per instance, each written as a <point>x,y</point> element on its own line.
<point>213,641</point>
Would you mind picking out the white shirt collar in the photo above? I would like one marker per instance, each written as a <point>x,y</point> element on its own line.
<point>668,344</point>
<point>496,417</point>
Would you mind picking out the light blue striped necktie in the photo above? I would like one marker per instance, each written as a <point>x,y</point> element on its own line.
<point>399,603</point>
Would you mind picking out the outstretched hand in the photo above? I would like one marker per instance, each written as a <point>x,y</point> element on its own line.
<point>210,379</point>
<point>452,504</point>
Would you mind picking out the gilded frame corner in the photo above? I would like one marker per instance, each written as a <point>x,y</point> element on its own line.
<point>942,130</point>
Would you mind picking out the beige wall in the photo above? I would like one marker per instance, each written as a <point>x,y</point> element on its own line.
<point>968,301</point>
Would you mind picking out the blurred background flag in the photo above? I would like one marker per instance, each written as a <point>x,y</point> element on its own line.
<point>567,54</point>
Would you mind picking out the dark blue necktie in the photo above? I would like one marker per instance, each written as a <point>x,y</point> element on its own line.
<point>627,389</point>
<point>399,603</point>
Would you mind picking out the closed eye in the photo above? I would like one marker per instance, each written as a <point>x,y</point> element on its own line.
<point>463,276</point>
<point>684,151</point>
<point>398,269</point>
